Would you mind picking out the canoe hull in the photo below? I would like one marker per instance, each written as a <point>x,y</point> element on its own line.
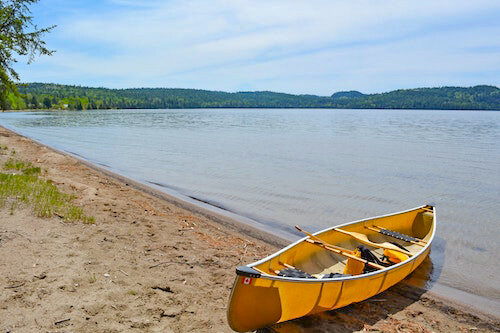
<point>263,300</point>
<point>260,302</point>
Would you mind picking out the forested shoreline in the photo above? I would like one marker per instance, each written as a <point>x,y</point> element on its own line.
<point>56,96</point>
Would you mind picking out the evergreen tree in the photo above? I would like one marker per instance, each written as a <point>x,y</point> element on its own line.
<point>47,103</point>
<point>34,102</point>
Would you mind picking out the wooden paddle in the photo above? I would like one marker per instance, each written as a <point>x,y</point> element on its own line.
<point>336,249</point>
<point>364,239</point>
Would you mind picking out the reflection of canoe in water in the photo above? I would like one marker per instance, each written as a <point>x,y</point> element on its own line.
<point>331,269</point>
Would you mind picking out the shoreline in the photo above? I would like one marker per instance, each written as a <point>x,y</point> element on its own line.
<point>220,215</point>
<point>233,225</point>
<point>253,108</point>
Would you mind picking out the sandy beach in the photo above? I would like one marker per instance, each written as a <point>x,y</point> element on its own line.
<point>152,263</point>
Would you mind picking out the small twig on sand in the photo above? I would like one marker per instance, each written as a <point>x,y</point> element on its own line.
<point>162,263</point>
<point>165,289</point>
<point>15,286</point>
<point>62,321</point>
<point>125,273</point>
<point>184,263</point>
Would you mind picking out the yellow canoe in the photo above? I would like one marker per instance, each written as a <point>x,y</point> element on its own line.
<point>308,276</point>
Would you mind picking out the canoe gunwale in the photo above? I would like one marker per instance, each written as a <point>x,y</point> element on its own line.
<point>361,276</point>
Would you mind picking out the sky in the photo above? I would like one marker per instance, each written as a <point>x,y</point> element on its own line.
<point>300,47</point>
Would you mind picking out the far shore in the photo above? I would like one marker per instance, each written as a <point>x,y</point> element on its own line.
<point>157,262</point>
<point>243,108</point>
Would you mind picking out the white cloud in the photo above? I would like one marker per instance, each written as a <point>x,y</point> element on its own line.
<point>293,46</point>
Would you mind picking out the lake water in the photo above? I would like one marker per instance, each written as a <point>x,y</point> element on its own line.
<point>315,168</point>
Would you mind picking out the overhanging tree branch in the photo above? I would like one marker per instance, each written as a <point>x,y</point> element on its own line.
<point>19,36</point>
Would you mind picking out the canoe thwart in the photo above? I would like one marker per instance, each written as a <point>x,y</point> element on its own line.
<point>320,241</point>
<point>286,265</point>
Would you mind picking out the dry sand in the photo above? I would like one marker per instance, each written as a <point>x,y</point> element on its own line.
<point>155,265</point>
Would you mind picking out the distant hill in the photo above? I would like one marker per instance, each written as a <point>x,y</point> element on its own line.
<point>56,96</point>
<point>449,98</point>
<point>348,94</point>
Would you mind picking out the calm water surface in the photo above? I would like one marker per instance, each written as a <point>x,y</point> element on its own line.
<point>315,168</point>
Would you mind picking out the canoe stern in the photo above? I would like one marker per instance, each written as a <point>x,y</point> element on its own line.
<point>255,302</point>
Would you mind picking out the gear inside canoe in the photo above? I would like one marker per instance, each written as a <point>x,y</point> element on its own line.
<point>331,268</point>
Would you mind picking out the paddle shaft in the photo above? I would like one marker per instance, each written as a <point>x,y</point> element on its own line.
<point>338,250</point>
<point>344,253</point>
<point>317,239</point>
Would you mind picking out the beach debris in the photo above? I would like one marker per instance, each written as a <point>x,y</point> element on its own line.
<point>370,328</point>
<point>62,321</point>
<point>171,312</point>
<point>107,275</point>
<point>162,263</point>
<point>244,252</point>
<point>41,276</point>
<point>190,309</point>
<point>92,278</point>
<point>123,272</point>
<point>415,313</point>
<point>165,289</point>
<point>16,285</point>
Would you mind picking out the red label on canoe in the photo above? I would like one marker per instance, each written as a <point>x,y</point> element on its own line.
<point>247,280</point>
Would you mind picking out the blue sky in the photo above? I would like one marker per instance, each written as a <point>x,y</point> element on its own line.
<point>302,47</point>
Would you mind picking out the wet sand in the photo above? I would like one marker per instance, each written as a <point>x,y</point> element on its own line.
<point>152,262</point>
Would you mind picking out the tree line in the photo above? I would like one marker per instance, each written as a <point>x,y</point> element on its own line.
<point>56,96</point>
